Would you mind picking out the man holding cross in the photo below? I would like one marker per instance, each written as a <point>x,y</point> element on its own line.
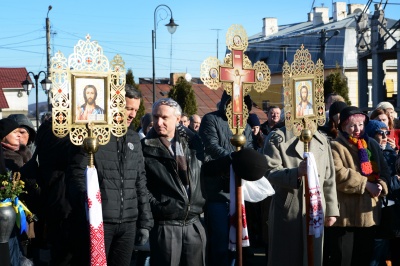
<point>216,134</point>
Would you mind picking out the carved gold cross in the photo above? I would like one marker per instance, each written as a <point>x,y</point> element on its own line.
<point>237,76</point>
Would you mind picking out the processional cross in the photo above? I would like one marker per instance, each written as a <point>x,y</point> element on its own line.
<point>237,76</point>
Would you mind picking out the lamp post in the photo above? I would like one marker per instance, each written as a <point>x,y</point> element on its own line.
<point>323,40</point>
<point>171,26</point>
<point>27,85</point>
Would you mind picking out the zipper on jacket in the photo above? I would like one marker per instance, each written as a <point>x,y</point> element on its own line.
<point>184,191</point>
<point>120,170</point>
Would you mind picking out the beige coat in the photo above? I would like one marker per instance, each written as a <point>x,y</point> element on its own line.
<point>287,222</point>
<point>357,207</point>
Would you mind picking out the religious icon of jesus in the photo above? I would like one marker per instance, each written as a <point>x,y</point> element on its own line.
<point>304,106</point>
<point>89,108</point>
<point>237,87</point>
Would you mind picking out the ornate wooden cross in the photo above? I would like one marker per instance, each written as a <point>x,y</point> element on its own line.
<point>237,76</point>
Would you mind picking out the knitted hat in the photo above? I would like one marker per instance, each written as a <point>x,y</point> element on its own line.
<point>249,164</point>
<point>385,105</point>
<point>253,120</point>
<point>349,111</point>
<point>336,108</point>
<point>373,126</point>
<point>7,125</point>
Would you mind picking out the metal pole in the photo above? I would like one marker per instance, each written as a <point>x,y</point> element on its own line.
<point>48,54</point>
<point>37,100</point>
<point>48,45</point>
<point>153,36</point>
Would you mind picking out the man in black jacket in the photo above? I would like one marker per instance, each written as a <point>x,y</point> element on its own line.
<point>122,181</point>
<point>173,156</point>
<point>216,134</point>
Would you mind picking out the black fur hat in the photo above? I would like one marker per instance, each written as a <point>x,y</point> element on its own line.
<point>249,164</point>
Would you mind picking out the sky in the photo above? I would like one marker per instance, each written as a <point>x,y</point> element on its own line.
<point>124,27</point>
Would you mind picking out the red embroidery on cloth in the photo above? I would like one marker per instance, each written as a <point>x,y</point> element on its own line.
<point>97,247</point>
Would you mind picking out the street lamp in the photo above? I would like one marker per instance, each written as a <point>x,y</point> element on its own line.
<point>171,26</point>
<point>27,85</point>
<point>323,40</point>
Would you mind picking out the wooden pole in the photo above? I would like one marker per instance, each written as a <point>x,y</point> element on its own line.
<point>238,185</point>
<point>306,137</point>
<point>238,141</point>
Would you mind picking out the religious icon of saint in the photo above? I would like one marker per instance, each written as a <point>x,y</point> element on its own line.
<point>260,76</point>
<point>213,73</point>
<point>304,106</point>
<point>237,40</point>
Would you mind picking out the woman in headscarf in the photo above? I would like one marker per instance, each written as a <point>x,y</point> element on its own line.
<point>361,174</point>
<point>15,156</point>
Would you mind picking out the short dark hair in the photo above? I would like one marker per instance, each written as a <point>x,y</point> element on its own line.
<point>273,107</point>
<point>132,93</point>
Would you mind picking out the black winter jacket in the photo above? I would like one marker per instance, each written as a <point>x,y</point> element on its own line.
<point>170,202</point>
<point>122,180</point>
<point>216,135</point>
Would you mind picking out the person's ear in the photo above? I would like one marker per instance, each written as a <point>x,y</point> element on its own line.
<point>178,119</point>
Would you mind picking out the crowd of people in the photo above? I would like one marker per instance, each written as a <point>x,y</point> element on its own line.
<point>157,181</point>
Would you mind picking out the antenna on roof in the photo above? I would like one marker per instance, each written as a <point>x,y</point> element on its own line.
<point>312,6</point>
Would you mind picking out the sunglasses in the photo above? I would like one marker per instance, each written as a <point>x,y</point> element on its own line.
<point>383,133</point>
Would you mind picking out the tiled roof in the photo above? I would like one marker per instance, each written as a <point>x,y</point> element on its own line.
<point>10,78</point>
<point>3,100</point>
<point>206,98</point>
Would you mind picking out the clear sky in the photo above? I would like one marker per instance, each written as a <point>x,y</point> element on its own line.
<point>124,27</point>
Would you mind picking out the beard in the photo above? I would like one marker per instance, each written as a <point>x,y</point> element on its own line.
<point>90,101</point>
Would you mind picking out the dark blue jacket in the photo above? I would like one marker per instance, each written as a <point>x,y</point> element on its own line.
<point>216,135</point>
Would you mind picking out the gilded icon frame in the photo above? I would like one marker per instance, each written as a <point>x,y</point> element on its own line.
<point>303,70</point>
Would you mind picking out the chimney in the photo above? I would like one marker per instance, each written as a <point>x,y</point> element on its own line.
<point>322,14</point>
<point>310,16</point>
<point>173,78</point>
<point>270,26</point>
<point>317,19</point>
<point>355,8</point>
<point>339,11</point>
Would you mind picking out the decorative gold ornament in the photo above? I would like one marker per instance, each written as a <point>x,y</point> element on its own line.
<point>88,89</point>
<point>237,76</point>
<point>303,83</point>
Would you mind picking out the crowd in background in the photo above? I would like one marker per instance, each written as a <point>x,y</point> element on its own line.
<point>159,179</point>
